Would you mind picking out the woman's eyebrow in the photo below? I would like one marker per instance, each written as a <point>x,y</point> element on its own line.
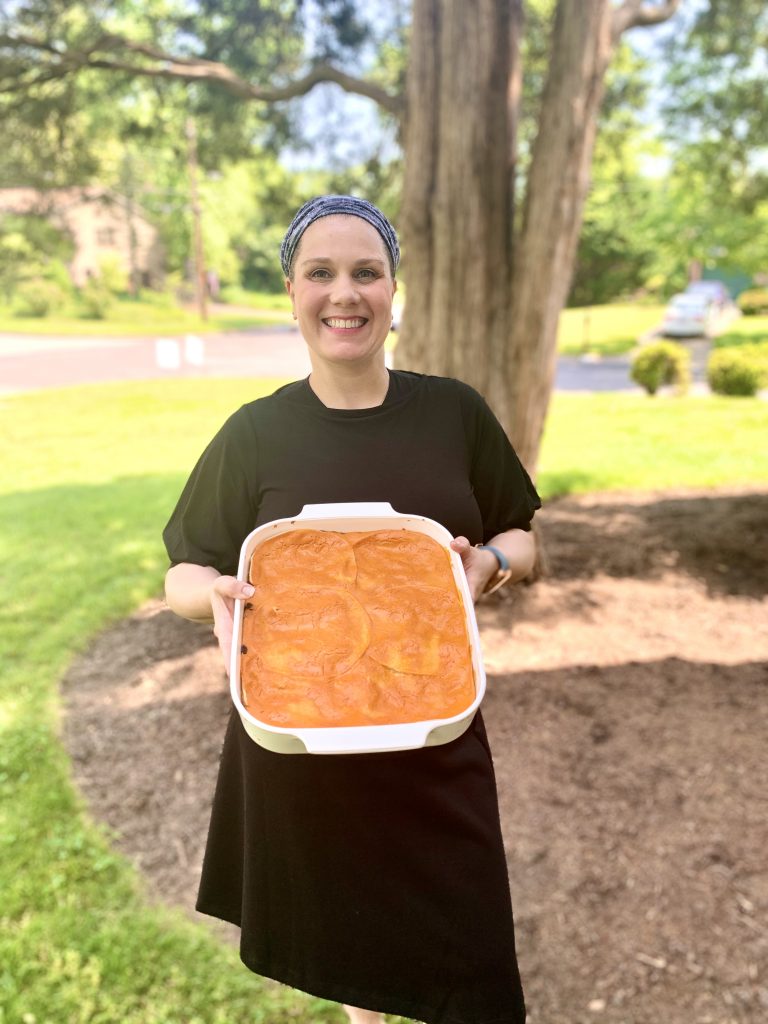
<point>367,260</point>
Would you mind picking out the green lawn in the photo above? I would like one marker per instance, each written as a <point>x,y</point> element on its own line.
<point>141,317</point>
<point>89,476</point>
<point>607,330</point>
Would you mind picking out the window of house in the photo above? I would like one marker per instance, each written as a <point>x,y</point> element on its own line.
<point>105,236</point>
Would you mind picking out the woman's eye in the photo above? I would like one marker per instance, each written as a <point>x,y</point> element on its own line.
<point>320,274</point>
<point>366,274</point>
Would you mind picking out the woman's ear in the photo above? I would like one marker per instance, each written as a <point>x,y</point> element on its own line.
<point>289,289</point>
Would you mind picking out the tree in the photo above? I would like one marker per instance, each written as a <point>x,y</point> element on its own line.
<point>485,281</point>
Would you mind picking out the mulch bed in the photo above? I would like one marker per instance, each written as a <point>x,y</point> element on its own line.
<point>628,717</point>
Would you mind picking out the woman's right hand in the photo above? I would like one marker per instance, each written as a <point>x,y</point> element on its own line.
<point>224,591</point>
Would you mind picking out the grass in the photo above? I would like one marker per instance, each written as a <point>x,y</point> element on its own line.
<point>89,477</point>
<point>605,330</point>
<point>236,296</point>
<point>748,330</point>
<point>148,315</point>
<point>635,442</point>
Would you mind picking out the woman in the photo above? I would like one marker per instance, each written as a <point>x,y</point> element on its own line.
<point>377,880</point>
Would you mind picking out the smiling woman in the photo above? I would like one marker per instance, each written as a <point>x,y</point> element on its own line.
<point>377,880</point>
<point>341,290</point>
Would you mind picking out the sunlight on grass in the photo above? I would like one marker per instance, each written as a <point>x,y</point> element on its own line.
<point>89,477</point>
<point>611,441</point>
<point>605,329</point>
<point>128,317</point>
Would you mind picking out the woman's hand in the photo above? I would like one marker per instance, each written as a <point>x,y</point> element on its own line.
<point>479,565</point>
<point>223,592</point>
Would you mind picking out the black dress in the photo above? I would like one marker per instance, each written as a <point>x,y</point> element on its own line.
<point>372,879</point>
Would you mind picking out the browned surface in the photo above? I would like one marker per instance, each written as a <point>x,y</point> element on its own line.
<point>358,628</point>
<point>628,713</point>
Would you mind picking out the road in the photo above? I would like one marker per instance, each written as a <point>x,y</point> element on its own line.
<point>32,362</point>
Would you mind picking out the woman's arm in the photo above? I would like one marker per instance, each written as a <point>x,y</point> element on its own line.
<point>481,566</point>
<point>202,594</point>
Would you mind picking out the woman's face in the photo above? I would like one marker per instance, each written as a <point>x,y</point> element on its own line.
<point>342,290</point>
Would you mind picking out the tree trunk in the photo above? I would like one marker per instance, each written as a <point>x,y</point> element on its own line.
<point>456,213</point>
<point>482,304</point>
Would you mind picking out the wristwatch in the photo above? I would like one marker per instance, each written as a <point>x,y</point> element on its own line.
<point>503,574</point>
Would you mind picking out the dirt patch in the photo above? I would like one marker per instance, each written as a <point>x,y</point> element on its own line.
<point>628,716</point>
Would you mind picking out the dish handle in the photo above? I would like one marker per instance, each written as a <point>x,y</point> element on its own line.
<point>347,508</point>
<point>364,738</point>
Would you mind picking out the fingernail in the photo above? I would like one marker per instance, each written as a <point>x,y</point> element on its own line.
<point>248,590</point>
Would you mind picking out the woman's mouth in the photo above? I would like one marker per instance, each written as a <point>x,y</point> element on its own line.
<point>340,323</point>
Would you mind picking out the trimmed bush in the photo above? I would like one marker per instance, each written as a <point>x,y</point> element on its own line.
<point>38,297</point>
<point>735,371</point>
<point>754,301</point>
<point>663,362</point>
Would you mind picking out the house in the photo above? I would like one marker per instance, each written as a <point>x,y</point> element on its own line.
<point>101,223</point>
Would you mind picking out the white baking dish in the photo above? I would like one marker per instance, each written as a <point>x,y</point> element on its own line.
<point>362,739</point>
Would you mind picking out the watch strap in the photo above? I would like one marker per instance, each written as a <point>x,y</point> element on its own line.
<point>504,572</point>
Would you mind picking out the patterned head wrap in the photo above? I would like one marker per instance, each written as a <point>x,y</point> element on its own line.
<point>327,206</point>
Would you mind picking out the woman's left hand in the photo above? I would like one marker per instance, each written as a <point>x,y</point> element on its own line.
<point>479,565</point>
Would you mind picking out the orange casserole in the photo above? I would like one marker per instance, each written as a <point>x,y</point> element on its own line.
<point>364,628</point>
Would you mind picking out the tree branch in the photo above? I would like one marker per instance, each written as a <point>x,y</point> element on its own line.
<point>193,69</point>
<point>638,14</point>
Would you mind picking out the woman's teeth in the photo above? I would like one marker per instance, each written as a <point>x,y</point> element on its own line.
<point>357,322</point>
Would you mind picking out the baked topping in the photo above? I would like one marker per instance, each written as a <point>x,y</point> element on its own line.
<point>354,629</point>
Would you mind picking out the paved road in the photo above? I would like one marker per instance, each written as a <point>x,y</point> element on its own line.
<point>29,363</point>
<point>32,362</point>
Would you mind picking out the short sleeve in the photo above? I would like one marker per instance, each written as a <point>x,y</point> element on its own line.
<point>503,490</point>
<point>217,508</point>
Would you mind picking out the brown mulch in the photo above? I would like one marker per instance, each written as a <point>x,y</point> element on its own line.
<point>628,717</point>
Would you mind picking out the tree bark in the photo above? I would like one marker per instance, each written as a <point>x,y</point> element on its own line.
<point>545,249</point>
<point>483,303</point>
<point>457,199</point>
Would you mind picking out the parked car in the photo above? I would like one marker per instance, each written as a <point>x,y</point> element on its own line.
<point>715,291</point>
<point>688,316</point>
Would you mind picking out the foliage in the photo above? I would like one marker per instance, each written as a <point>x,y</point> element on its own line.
<point>95,299</point>
<point>753,302</point>
<point>715,105</point>
<point>37,297</point>
<point>32,247</point>
<point>662,362</point>
<point>614,255</point>
<point>112,275</point>
<point>738,371</point>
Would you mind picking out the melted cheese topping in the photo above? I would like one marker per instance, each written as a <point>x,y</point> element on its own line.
<point>354,629</point>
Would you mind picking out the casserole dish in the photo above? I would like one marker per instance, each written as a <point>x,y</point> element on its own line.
<point>358,739</point>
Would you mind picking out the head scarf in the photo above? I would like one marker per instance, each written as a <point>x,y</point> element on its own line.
<point>327,206</point>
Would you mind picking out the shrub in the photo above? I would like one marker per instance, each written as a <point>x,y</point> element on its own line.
<point>38,297</point>
<point>112,275</point>
<point>95,299</point>
<point>737,371</point>
<point>754,301</point>
<point>663,362</point>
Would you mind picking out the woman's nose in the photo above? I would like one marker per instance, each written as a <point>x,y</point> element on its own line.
<point>344,290</point>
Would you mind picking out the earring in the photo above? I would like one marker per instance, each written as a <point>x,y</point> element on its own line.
<point>294,316</point>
